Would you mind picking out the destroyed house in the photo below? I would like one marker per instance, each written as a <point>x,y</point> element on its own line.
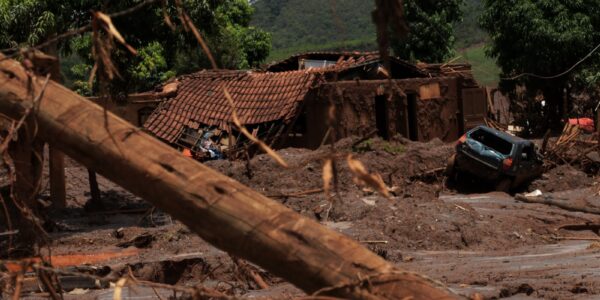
<point>288,103</point>
<point>199,116</point>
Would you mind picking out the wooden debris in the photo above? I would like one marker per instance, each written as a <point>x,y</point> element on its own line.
<point>141,241</point>
<point>222,211</point>
<point>249,272</point>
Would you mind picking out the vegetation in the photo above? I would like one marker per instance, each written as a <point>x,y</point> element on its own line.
<point>162,53</point>
<point>300,25</point>
<point>545,37</point>
<point>467,32</point>
<point>431,36</point>
<point>485,69</point>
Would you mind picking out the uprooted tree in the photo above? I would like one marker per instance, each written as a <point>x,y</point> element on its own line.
<point>219,209</point>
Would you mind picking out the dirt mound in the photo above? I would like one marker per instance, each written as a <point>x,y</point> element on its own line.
<point>414,218</point>
<point>561,178</point>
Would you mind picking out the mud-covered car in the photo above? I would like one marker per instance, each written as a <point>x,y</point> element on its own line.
<point>496,157</point>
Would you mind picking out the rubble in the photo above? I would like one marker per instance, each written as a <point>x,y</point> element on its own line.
<point>376,190</point>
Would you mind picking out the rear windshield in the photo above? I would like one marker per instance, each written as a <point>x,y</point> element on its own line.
<point>492,141</point>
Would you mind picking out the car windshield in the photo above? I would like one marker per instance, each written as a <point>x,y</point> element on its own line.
<point>492,141</point>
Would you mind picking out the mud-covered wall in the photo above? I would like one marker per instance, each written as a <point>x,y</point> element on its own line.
<point>132,112</point>
<point>355,103</point>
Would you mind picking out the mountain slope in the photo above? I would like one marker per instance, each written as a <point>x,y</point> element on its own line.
<point>315,25</point>
<point>301,25</point>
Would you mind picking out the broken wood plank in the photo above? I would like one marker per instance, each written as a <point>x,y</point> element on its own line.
<point>222,211</point>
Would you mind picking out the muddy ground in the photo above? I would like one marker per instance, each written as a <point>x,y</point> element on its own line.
<point>487,243</point>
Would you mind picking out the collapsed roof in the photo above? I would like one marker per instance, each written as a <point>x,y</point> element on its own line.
<point>345,61</point>
<point>258,98</point>
<point>274,95</point>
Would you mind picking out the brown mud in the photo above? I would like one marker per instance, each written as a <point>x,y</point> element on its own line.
<point>486,243</point>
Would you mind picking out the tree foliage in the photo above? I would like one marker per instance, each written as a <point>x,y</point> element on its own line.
<point>431,36</point>
<point>468,32</point>
<point>162,53</point>
<point>545,37</point>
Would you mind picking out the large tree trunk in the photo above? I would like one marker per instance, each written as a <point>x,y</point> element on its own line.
<point>222,211</point>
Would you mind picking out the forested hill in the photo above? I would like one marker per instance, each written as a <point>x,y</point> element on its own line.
<point>303,25</point>
<point>313,25</point>
<point>300,25</point>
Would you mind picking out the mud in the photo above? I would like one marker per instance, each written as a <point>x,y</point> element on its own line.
<point>487,243</point>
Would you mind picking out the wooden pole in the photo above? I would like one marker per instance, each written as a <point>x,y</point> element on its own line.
<point>94,189</point>
<point>222,211</point>
<point>58,192</point>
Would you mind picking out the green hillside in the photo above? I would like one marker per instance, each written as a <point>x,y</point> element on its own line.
<point>311,25</point>
<point>318,25</point>
<point>485,70</point>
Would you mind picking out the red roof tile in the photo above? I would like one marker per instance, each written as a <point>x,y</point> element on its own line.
<point>258,98</point>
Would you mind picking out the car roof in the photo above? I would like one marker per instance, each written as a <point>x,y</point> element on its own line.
<point>503,135</point>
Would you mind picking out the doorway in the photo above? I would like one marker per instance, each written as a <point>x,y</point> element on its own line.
<point>381,117</point>
<point>413,123</point>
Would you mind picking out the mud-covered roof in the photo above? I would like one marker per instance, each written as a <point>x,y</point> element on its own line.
<point>345,60</point>
<point>258,97</point>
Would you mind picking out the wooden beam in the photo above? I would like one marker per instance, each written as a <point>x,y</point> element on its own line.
<point>222,211</point>
<point>58,191</point>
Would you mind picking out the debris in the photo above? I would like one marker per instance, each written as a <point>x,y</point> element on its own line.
<point>593,156</point>
<point>250,272</point>
<point>297,194</point>
<point>143,240</point>
<point>558,203</point>
<point>67,260</point>
<point>374,242</point>
<point>119,233</point>
<point>198,196</point>
<point>586,124</point>
<point>582,227</point>
<point>369,201</point>
<point>79,292</point>
<point>363,177</point>
<point>535,193</point>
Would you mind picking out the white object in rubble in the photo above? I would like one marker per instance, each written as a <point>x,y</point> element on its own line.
<point>535,193</point>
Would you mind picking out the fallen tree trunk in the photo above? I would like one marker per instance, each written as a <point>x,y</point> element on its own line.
<point>222,211</point>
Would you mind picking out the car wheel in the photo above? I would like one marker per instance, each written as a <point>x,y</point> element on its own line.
<point>504,185</point>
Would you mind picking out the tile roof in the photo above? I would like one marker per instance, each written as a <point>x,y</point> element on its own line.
<point>258,98</point>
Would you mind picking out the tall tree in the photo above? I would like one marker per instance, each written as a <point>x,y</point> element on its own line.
<point>162,53</point>
<point>544,37</point>
<point>431,32</point>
